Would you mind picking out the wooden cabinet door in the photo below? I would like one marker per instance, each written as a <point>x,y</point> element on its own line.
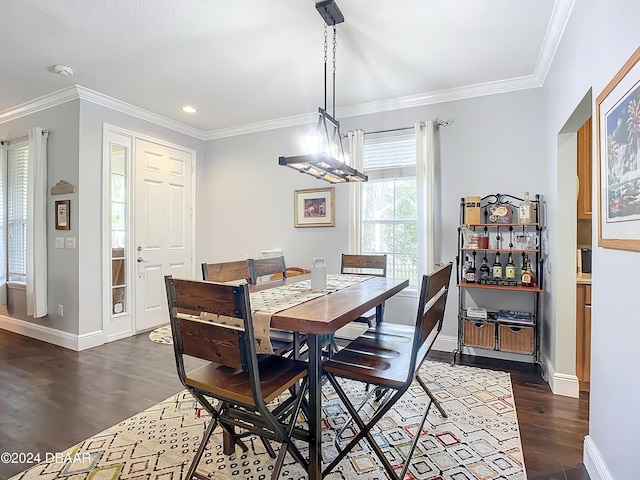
<point>584,171</point>
<point>583,335</point>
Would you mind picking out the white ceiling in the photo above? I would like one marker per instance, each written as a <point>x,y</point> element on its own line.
<point>250,63</point>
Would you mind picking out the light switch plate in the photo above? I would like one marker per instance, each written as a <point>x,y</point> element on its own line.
<point>71,242</point>
<point>59,242</point>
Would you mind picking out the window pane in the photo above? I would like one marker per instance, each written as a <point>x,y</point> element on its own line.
<point>117,216</point>
<point>377,203</point>
<point>377,238</point>
<point>117,272</point>
<point>406,201</point>
<point>403,266</point>
<point>17,212</point>
<point>118,158</point>
<point>406,239</point>
<point>117,188</point>
<point>119,298</point>
<point>117,240</point>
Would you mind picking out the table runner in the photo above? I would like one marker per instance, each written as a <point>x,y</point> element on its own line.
<point>265,303</point>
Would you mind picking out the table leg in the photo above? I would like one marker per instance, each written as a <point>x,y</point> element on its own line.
<point>315,408</point>
<point>379,313</point>
<point>228,443</point>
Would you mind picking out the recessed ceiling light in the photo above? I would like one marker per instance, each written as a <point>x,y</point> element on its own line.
<point>189,109</point>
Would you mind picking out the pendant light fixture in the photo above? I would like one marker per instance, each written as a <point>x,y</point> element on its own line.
<point>325,158</point>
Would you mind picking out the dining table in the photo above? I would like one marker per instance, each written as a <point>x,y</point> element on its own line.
<point>321,316</point>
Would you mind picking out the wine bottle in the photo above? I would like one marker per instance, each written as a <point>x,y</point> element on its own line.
<point>528,277</point>
<point>470,276</point>
<point>497,267</point>
<point>510,269</point>
<point>525,210</point>
<point>485,272</point>
<point>465,267</point>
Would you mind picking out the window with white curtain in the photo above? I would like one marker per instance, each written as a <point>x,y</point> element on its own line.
<point>389,204</point>
<point>17,162</point>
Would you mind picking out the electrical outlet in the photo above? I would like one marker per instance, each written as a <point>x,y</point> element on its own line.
<point>60,310</point>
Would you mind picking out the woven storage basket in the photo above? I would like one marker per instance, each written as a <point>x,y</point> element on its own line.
<point>479,334</point>
<point>515,339</point>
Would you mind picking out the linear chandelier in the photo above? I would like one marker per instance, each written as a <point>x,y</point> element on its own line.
<point>325,158</point>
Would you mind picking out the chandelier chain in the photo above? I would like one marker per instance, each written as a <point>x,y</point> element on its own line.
<point>325,43</point>
<point>333,90</point>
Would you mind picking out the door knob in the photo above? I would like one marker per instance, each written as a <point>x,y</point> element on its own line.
<point>140,260</point>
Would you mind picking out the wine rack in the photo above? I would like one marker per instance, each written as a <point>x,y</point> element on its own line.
<point>488,327</point>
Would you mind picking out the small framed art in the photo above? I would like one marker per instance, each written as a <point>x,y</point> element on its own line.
<point>314,207</point>
<point>63,214</point>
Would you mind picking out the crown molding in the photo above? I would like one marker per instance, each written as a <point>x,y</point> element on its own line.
<point>460,93</point>
<point>76,92</point>
<point>127,108</point>
<point>38,104</point>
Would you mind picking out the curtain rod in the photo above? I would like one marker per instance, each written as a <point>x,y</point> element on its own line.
<point>20,139</point>
<point>437,124</point>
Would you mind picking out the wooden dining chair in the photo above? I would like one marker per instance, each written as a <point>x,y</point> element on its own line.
<point>242,386</point>
<point>389,356</point>
<point>290,272</point>
<point>262,267</point>
<point>375,265</point>
<point>227,271</point>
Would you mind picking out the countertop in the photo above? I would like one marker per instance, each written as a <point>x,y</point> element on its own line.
<point>583,278</point>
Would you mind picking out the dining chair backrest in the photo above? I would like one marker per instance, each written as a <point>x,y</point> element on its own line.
<point>261,267</point>
<point>375,265</point>
<point>229,344</point>
<point>226,271</point>
<point>431,305</point>
<point>233,374</point>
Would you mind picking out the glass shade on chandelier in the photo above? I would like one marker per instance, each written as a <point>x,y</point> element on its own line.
<point>325,157</point>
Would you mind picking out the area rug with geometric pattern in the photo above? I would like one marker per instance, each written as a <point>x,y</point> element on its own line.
<point>161,335</point>
<point>479,440</point>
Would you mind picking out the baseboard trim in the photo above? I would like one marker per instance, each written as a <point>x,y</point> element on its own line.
<point>562,383</point>
<point>445,343</point>
<point>52,335</point>
<point>593,461</point>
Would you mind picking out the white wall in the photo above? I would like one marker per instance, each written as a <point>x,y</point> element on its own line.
<point>62,265</point>
<point>246,203</point>
<point>599,39</point>
<point>493,145</point>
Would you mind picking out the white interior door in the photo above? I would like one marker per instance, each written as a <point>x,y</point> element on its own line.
<point>162,227</point>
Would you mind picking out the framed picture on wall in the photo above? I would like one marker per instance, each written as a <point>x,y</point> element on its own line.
<point>618,140</point>
<point>314,207</point>
<point>63,214</point>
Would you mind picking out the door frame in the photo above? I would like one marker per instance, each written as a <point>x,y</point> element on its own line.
<point>115,328</point>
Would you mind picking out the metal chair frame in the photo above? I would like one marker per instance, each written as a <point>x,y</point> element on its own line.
<point>431,306</point>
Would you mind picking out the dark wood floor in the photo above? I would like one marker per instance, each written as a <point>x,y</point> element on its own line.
<point>52,398</point>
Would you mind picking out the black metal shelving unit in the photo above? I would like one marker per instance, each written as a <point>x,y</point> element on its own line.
<point>496,332</point>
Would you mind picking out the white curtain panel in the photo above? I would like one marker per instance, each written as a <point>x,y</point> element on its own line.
<point>3,226</point>
<point>426,186</point>
<point>37,224</point>
<point>356,145</point>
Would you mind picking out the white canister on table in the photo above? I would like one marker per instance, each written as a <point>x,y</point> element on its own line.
<point>318,274</point>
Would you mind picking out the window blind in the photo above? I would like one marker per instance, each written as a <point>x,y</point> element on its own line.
<point>388,158</point>
<point>17,162</point>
